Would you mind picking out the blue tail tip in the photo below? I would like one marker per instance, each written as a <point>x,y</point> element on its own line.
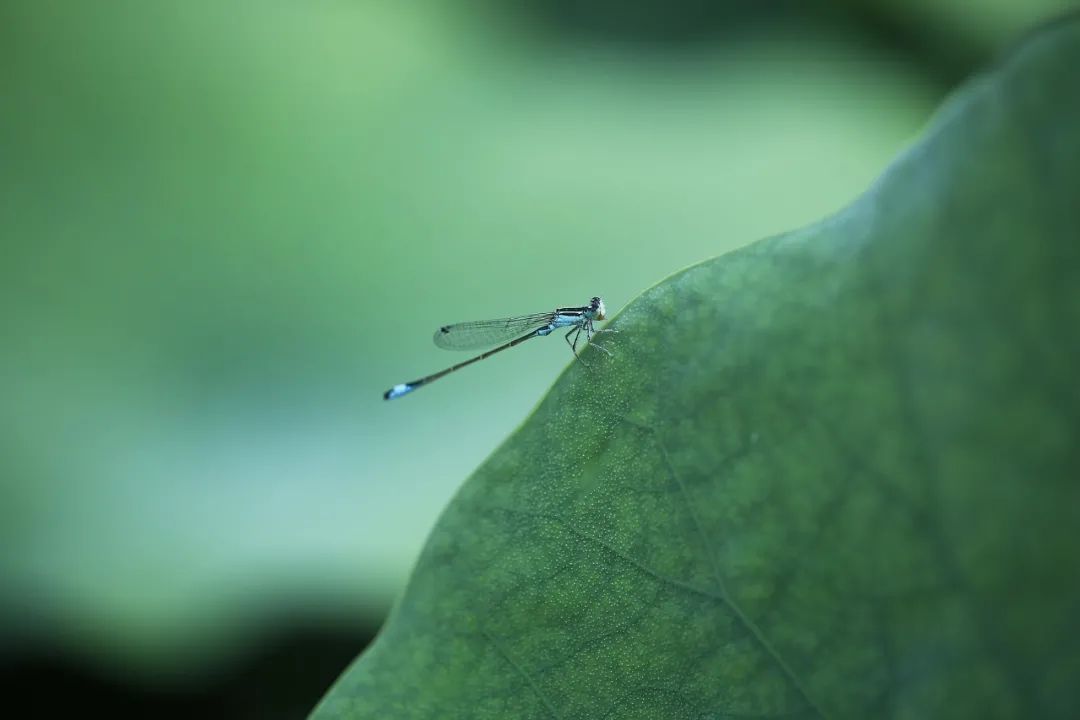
<point>397,391</point>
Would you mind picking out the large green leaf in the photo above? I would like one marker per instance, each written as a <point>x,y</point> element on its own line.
<point>832,474</point>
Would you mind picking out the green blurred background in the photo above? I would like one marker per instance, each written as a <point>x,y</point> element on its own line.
<point>227,227</point>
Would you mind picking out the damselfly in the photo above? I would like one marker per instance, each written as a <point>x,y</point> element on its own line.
<point>510,332</point>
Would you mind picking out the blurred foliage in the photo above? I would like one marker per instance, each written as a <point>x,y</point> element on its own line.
<point>945,40</point>
<point>831,474</point>
<point>228,226</point>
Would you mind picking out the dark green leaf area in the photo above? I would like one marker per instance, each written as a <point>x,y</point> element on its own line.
<point>833,474</point>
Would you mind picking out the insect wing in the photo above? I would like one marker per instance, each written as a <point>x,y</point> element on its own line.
<point>485,333</point>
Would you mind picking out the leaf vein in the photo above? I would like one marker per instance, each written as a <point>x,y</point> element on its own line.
<point>521,671</point>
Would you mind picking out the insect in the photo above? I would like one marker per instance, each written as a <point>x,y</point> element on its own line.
<point>509,332</point>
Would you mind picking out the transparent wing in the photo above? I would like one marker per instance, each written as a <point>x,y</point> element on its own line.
<point>485,333</point>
